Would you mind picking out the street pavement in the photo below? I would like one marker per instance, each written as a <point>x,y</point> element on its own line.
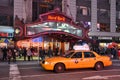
<point>11,71</point>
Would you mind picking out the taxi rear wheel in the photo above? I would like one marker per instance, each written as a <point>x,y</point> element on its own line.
<point>99,66</point>
<point>59,68</point>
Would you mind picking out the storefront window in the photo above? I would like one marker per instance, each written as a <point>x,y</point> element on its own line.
<point>104,27</point>
<point>6,20</point>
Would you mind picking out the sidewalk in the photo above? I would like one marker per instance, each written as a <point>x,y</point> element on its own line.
<point>35,62</point>
<point>116,61</point>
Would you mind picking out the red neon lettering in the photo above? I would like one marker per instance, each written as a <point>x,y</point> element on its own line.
<point>3,34</point>
<point>57,18</point>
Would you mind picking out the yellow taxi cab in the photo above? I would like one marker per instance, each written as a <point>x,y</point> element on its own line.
<point>76,59</point>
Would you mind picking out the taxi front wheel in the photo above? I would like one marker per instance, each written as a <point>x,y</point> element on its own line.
<point>59,68</point>
<point>99,66</point>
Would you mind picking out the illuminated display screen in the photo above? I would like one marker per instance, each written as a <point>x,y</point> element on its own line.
<point>53,26</point>
<point>39,39</point>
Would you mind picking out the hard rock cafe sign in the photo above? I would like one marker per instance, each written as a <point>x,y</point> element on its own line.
<point>55,17</point>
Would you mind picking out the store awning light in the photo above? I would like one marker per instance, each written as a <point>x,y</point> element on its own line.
<point>6,29</point>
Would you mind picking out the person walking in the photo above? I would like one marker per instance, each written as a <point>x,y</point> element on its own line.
<point>56,51</point>
<point>14,51</point>
<point>50,52</point>
<point>4,50</point>
<point>29,53</point>
<point>9,55</point>
<point>119,54</point>
<point>24,53</point>
<point>114,53</point>
<point>1,54</point>
<point>41,54</point>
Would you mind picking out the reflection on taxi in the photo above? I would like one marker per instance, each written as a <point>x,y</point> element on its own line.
<point>76,59</point>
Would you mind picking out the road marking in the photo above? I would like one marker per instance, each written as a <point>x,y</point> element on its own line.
<point>31,68</point>
<point>96,77</point>
<point>101,77</point>
<point>73,73</point>
<point>14,73</point>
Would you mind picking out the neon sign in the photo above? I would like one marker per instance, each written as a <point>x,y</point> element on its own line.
<point>56,18</point>
<point>3,34</point>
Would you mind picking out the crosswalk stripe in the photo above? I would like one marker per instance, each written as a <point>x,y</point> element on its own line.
<point>14,73</point>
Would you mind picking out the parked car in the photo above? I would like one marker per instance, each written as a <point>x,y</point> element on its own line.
<point>76,59</point>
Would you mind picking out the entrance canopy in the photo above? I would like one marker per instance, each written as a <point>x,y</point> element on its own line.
<point>57,25</point>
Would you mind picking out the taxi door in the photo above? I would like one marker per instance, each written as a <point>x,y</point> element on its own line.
<point>76,60</point>
<point>89,60</point>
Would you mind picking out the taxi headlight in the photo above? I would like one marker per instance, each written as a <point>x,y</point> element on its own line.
<point>47,62</point>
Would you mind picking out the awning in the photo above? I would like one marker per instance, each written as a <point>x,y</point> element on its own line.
<point>6,29</point>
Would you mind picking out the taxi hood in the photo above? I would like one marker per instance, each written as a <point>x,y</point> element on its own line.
<point>53,59</point>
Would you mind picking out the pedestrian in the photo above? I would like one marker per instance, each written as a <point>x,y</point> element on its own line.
<point>114,53</point>
<point>32,50</point>
<point>108,52</point>
<point>50,52</point>
<point>29,53</point>
<point>24,53</point>
<point>1,54</point>
<point>9,55</point>
<point>119,54</point>
<point>56,51</point>
<point>61,53</point>
<point>20,52</point>
<point>14,54</point>
<point>41,54</point>
<point>4,50</point>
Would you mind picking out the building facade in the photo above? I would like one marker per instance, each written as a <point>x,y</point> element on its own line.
<point>6,23</point>
<point>102,17</point>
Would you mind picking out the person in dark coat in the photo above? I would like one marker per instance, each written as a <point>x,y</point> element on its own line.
<point>50,52</point>
<point>4,50</point>
<point>14,54</point>
<point>9,55</point>
<point>56,51</point>
<point>41,54</point>
<point>24,53</point>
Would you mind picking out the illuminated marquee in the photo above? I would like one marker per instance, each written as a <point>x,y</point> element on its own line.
<point>56,18</point>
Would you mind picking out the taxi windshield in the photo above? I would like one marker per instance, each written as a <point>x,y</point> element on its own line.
<point>67,55</point>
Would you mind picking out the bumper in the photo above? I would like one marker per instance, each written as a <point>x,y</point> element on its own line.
<point>108,63</point>
<point>47,66</point>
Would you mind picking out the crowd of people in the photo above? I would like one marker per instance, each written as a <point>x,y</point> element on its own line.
<point>11,53</point>
<point>113,52</point>
<point>6,54</point>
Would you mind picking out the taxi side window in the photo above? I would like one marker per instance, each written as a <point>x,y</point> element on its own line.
<point>88,54</point>
<point>77,55</point>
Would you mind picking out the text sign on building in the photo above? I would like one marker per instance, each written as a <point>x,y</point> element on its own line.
<point>2,34</point>
<point>55,17</point>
